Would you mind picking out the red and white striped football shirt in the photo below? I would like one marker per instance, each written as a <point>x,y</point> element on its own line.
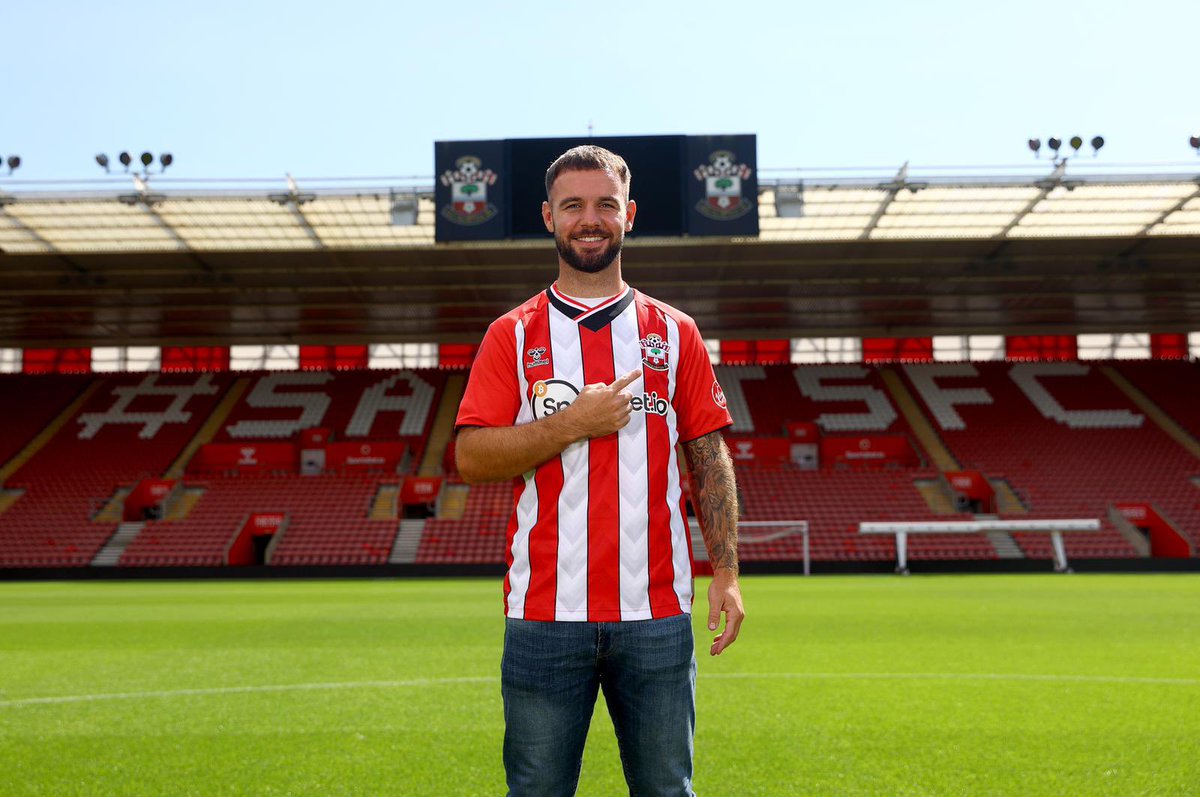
<point>597,533</point>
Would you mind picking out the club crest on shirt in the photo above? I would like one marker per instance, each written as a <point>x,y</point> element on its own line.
<point>654,352</point>
<point>537,357</point>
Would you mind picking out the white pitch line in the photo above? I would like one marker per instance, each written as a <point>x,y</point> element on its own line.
<point>965,676</point>
<point>235,690</point>
<point>841,676</point>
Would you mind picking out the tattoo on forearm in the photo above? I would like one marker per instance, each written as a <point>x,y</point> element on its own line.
<point>716,502</point>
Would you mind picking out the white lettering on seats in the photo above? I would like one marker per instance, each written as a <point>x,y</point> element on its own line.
<point>880,413</point>
<point>731,378</point>
<point>151,422</point>
<point>375,400</point>
<point>1026,377</point>
<point>313,405</point>
<point>941,400</point>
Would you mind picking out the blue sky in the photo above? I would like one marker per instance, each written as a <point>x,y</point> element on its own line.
<point>352,88</point>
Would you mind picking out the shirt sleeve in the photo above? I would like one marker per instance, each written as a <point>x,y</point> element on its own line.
<point>699,399</point>
<point>492,397</point>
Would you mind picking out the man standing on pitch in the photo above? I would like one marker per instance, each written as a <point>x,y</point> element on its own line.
<point>580,396</point>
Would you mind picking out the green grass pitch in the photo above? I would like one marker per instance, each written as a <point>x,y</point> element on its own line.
<point>1021,685</point>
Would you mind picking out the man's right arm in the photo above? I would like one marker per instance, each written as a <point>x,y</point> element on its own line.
<point>499,453</point>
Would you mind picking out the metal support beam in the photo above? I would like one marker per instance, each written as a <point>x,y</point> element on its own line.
<point>1049,184</point>
<point>899,183</point>
<point>294,201</point>
<point>1167,213</point>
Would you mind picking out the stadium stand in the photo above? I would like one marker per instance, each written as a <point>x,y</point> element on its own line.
<point>326,523</point>
<point>1067,439</point>
<point>1173,385</point>
<point>69,494</point>
<point>130,427</point>
<point>478,536</point>
<point>28,403</point>
<point>849,399</point>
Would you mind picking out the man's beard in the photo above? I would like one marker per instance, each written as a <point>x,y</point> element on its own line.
<point>592,263</point>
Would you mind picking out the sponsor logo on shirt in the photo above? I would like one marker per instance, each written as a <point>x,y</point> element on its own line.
<point>551,396</point>
<point>718,394</point>
<point>555,395</point>
<point>537,358</point>
<point>649,402</point>
<point>654,352</point>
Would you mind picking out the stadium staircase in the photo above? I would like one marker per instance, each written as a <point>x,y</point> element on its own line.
<point>209,429</point>
<point>1126,529</point>
<point>452,503</point>
<point>1006,547</point>
<point>404,550</point>
<point>35,409</point>
<point>386,504</point>
<point>442,430</point>
<point>936,496</point>
<point>921,428</point>
<point>1187,407</point>
<point>110,554</point>
<point>188,498</point>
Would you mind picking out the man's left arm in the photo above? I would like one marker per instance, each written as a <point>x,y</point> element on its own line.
<point>716,505</point>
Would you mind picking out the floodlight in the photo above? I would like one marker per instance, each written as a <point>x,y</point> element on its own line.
<point>1097,143</point>
<point>404,208</point>
<point>1055,144</point>
<point>789,200</point>
<point>125,160</point>
<point>1076,142</point>
<point>1035,144</point>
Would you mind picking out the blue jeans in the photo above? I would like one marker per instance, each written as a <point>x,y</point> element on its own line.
<point>550,675</point>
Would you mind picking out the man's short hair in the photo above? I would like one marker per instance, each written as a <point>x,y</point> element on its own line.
<point>589,157</point>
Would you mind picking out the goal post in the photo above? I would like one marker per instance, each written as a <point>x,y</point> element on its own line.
<point>757,532</point>
<point>1053,527</point>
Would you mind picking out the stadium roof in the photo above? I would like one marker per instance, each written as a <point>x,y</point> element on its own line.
<point>320,261</point>
<point>355,215</point>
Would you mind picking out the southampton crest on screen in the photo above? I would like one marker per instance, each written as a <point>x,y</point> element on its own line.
<point>722,177</point>
<point>468,183</point>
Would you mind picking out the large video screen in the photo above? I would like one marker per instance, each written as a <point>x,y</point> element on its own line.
<point>656,163</point>
<point>683,185</point>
